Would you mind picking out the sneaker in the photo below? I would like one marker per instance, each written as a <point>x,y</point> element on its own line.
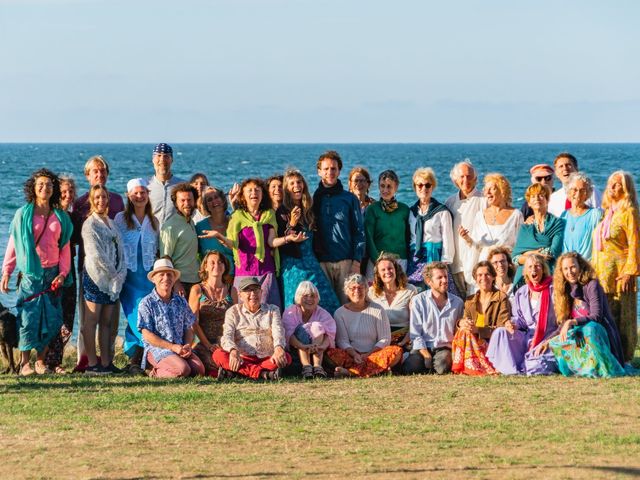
<point>113,369</point>
<point>271,375</point>
<point>96,369</point>
<point>133,369</point>
<point>224,374</point>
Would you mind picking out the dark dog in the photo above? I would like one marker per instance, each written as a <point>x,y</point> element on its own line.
<point>8,339</point>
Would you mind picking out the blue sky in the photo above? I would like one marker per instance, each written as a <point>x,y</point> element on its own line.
<point>319,70</point>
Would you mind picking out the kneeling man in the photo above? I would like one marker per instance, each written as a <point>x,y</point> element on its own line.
<point>253,338</point>
<point>166,323</point>
<point>434,315</point>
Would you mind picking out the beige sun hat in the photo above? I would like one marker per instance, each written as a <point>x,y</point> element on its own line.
<point>163,265</point>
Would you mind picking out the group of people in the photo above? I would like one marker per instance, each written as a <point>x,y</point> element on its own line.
<point>268,278</point>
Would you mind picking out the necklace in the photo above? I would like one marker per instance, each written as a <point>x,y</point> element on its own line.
<point>496,212</point>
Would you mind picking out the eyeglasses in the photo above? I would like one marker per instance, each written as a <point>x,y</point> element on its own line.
<point>546,178</point>
<point>423,185</point>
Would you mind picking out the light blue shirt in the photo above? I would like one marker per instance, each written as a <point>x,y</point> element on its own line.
<point>578,232</point>
<point>431,327</point>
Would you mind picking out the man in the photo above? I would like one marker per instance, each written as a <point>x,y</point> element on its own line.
<point>179,240</point>
<point>339,240</point>
<point>253,341</point>
<point>542,174</point>
<point>96,171</point>
<point>564,165</point>
<point>434,316</point>
<point>166,323</point>
<point>162,183</point>
<point>464,207</point>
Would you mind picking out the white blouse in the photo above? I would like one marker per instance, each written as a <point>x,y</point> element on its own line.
<point>131,237</point>
<point>398,310</point>
<point>438,228</point>
<point>488,236</point>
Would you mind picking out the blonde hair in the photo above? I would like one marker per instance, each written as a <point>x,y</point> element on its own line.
<point>562,301</point>
<point>92,195</point>
<point>427,174</point>
<point>96,159</point>
<point>539,259</point>
<point>536,189</point>
<point>502,184</point>
<point>630,199</point>
<point>307,201</point>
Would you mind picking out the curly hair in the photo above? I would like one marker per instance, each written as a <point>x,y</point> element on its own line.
<point>226,276</point>
<point>511,269</point>
<point>265,203</point>
<point>502,185</point>
<point>401,277</point>
<point>30,187</point>
<point>184,187</point>
<point>562,301</point>
<point>329,155</point>
<point>307,201</point>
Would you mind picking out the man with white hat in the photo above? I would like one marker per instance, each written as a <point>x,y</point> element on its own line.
<point>253,338</point>
<point>542,174</point>
<point>166,323</point>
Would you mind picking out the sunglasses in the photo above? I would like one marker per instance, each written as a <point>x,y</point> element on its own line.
<point>546,178</point>
<point>423,185</point>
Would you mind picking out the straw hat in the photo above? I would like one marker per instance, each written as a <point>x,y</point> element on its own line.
<point>163,265</point>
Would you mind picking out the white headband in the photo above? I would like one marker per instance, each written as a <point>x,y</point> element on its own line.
<point>137,182</point>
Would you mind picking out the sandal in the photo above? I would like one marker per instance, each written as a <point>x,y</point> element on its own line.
<point>307,372</point>
<point>59,370</point>
<point>319,372</point>
<point>26,370</point>
<point>42,369</point>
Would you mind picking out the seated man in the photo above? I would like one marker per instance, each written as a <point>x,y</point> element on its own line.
<point>166,323</point>
<point>253,337</point>
<point>434,315</point>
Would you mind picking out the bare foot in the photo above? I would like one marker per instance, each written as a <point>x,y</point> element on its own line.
<point>341,372</point>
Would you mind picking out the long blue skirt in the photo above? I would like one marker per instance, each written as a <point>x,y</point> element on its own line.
<point>40,319</point>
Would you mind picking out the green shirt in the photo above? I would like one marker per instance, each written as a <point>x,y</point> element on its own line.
<point>387,232</point>
<point>179,240</point>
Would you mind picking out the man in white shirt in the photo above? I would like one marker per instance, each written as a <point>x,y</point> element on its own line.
<point>564,165</point>
<point>464,206</point>
<point>434,316</point>
<point>162,183</point>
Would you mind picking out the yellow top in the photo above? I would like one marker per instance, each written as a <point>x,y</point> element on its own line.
<point>480,320</point>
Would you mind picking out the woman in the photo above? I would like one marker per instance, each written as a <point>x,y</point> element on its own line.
<point>499,223</point>
<point>104,273</point>
<point>430,229</point>
<point>309,329</point>
<point>215,206</point>
<point>69,296</point>
<point>274,187</point>
<point>500,259</point>
<point>484,311</point>
<point>542,233</point>
<point>616,253</point>
<point>200,182</point>
<point>520,346</point>
<point>588,344</point>
<point>363,337</point>
<point>39,246</point>
<point>209,300</point>
<point>297,260</point>
<point>359,184</point>
<point>139,232</point>
<point>581,219</point>
<point>391,290</point>
<point>386,223</point>
<point>252,235</point>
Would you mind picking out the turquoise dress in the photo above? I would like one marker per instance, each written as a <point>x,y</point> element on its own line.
<point>295,270</point>
<point>586,352</point>
<point>578,231</point>
<point>207,244</point>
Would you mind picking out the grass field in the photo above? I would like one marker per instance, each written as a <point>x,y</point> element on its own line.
<point>392,427</point>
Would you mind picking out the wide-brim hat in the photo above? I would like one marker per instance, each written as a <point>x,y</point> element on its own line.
<point>163,265</point>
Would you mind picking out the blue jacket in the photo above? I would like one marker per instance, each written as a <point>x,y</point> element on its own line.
<point>340,234</point>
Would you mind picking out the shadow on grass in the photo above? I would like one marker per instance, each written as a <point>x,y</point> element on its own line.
<point>619,470</point>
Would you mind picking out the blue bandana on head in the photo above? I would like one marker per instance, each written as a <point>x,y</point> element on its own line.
<point>163,148</point>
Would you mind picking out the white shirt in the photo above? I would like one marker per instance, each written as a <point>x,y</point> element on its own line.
<point>398,310</point>
<point>437,229</point>
<point>131,237</point>
<point>431,327</point>
<point>558,200</point>
<point>363,331</point>
<point>464,212</point>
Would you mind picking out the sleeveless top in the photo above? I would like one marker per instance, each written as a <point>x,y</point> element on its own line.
<point>212,315</point>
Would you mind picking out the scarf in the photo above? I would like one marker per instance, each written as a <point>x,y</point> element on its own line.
<point>322,191</point>
<point>434,207</point>
<point>21,229</point>
<point>603,230</point>
<point>242,219</point>
<point>545,301</point>
<point>388,206</point>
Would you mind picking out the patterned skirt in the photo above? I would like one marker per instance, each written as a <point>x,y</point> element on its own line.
<point>469,355</point>
<point>374,364</point>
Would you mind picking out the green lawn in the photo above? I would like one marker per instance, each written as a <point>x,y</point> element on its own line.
<point>409,427</point>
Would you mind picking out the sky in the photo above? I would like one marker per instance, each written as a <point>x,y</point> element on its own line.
<point>319,71</point>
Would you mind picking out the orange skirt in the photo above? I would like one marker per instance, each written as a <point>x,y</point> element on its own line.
<point>374,363</point>
<point>469,355</point>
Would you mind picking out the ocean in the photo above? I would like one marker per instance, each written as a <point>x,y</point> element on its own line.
<point>225,164</point>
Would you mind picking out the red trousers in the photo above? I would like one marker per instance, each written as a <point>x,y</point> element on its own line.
<point>251,366</point>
